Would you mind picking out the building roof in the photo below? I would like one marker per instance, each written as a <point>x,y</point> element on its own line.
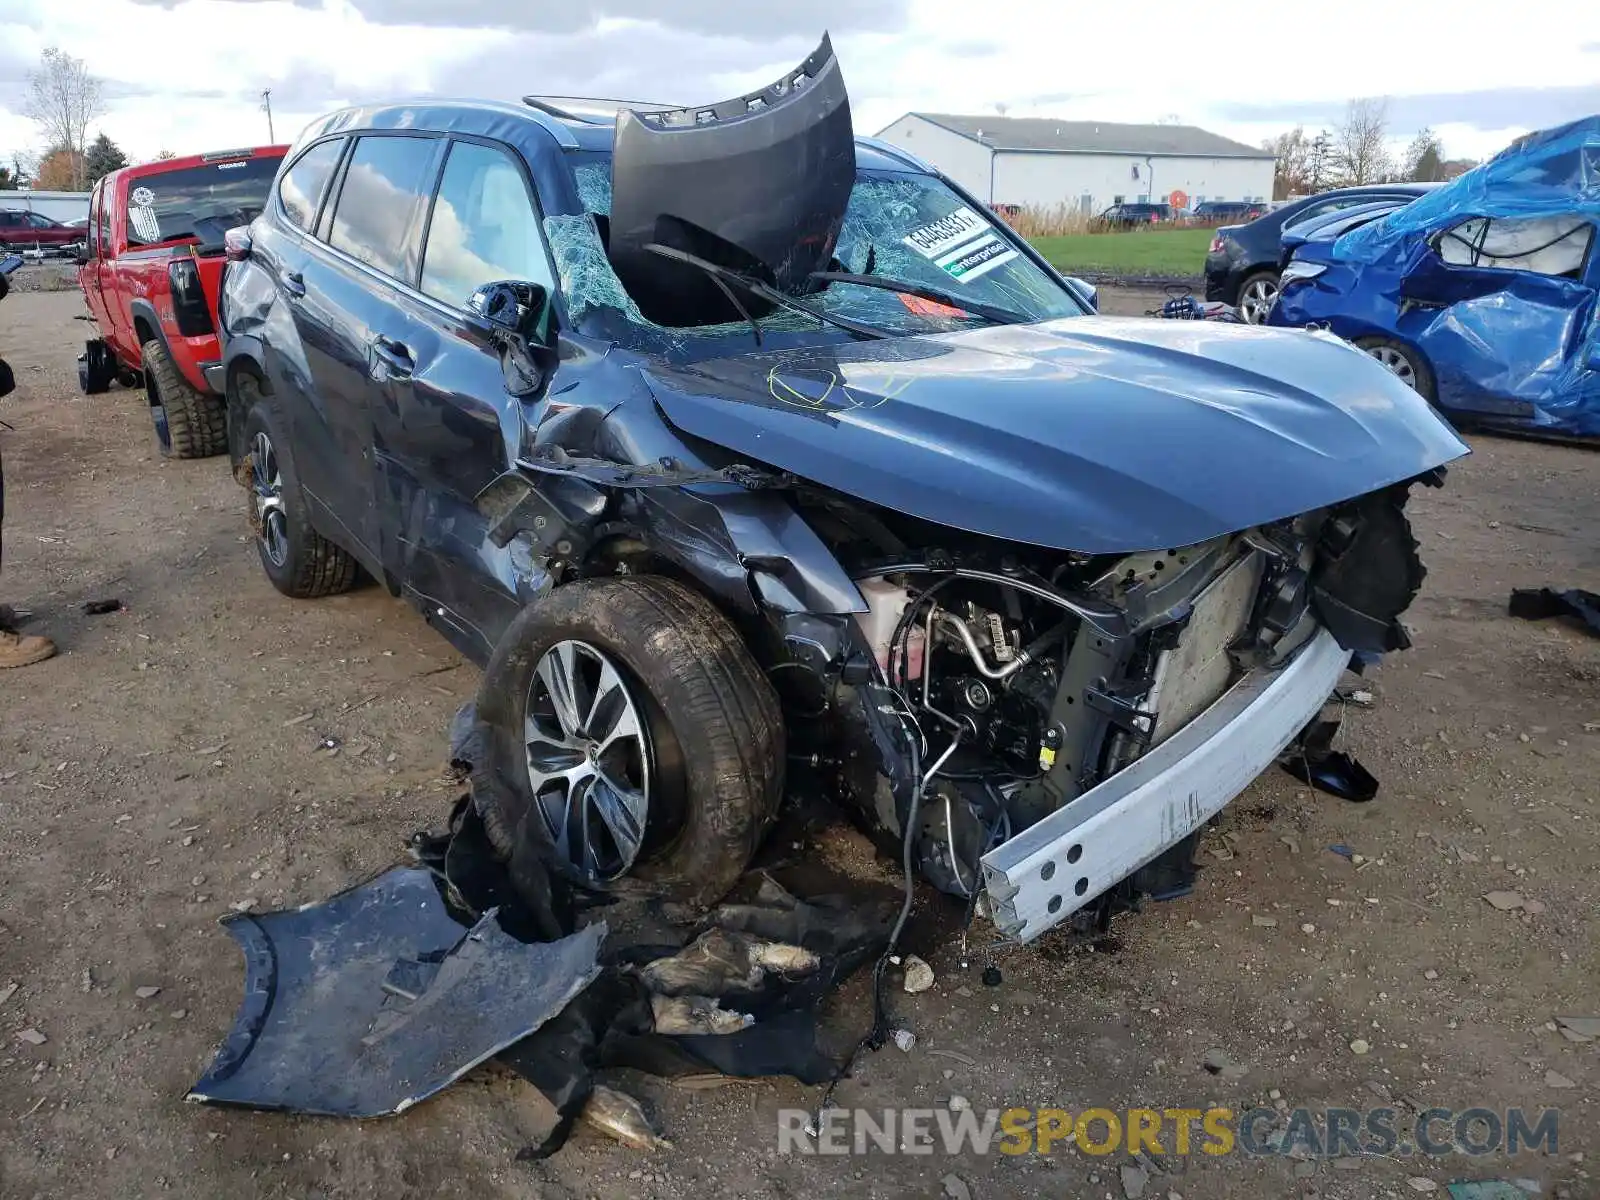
<point>1047,135</point>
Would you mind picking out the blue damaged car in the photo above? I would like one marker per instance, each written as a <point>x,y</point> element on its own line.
<point>754,458</point>
<point>1480,295</point>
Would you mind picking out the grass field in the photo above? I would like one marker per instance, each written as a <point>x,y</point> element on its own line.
<point>1141,252</point>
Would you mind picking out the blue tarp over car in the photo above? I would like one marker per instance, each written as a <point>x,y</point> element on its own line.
<point>1486,288</point>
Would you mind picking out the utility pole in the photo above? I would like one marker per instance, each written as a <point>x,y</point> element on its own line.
<point>266,103</point>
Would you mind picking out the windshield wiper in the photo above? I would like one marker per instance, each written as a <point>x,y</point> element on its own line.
<point>996,316</point>
<point>765,291</point>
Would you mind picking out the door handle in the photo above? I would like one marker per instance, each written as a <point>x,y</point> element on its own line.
<point>394,355</point>
<point>293,283</point>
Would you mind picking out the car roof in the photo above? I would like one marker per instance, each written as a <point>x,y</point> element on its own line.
<point>592,131</point>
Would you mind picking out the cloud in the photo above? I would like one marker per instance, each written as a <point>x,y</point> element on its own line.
<point>715,18</point>
<point>1490,108</point>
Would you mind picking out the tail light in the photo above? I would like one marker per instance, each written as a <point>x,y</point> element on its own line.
<point>236,243</point>
<point>1216,244</point>
<point>188,298</point>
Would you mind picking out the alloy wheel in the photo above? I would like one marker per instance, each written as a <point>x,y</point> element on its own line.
<point>266,485</point>
<point>589,759</point>
<point>1257,299</point>
<point>1397,363</point>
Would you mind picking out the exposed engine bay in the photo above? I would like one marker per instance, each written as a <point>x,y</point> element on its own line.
<point>979,693</point>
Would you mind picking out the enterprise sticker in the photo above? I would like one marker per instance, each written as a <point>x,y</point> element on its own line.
<point>963,245</point>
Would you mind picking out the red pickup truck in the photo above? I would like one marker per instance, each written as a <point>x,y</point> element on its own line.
<point>150,272</point>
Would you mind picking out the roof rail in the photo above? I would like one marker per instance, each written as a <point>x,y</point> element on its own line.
<point>893,151</point>
<point>589,110</point>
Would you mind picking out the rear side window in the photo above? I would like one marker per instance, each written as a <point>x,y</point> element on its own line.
<point>303,183</point>
<point>484,227</point>
<point>374,219</point>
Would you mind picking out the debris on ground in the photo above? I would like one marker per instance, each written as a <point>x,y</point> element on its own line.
<point>955,1188</point>
<point>918,975</point>
<point>99,608</point>
<point>1421,1183</point>
<point>8,991</point>
<point>992,977</point>
<point>1555,1079</point>
<point>1574,1029</point>
<point>32,1036</point>
<point>351,1006</point>
<point>1360,697</point>
<point>1314,761</point>
<point>1540,604</point>
<point>1504,901</point>
<point>1219,1062</point>
<point>1360,1046</point>
<point>620,1116</point>
<point>149,992</point>
<point>1134,1181</point>
<point>904,1040</point>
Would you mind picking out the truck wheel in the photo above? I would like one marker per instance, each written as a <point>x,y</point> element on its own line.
<point>627,733</point>
<point>96,368</point>
<point>189,423</point>
<point>300,562</point>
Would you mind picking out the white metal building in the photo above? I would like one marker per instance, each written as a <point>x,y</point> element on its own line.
<point>59,206</point>
<point>1085,165</point>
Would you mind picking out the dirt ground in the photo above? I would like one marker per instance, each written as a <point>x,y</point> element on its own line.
<point>164,768</point>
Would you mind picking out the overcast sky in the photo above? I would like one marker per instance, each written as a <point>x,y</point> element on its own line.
<point>185,75</point>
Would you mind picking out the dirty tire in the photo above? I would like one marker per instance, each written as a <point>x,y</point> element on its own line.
<point>312,566</point>
<point>196,423</point>
<point>1391,353</point>
<point>96,368</point>
<point>713,719</point>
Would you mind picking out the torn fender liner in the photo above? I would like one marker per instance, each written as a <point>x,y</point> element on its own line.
<point>1539,604</point>
<point>355,1007</point>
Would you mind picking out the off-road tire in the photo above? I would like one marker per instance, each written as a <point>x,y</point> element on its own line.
<point>314,566</point>
<point>97,369</point>
<point>196,421</point>
<point>714,720</point>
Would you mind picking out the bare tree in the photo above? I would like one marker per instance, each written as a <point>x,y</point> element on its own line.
<point>1291,173</point>
<point>1360,153</point>
<point>62,99</point>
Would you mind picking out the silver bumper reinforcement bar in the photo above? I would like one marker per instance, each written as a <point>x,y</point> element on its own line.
<point>1052,869</point>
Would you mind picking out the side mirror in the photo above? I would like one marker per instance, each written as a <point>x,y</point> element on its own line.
<point>1085,291</point>
<point>516,308</point>
<point>518,317</point>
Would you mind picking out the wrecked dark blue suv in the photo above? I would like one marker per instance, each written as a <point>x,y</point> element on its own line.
<point>749,454</point>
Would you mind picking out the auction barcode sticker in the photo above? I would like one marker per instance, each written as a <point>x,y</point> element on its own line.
<point>962,244</point>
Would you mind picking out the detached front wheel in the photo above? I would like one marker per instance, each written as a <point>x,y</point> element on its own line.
<point>189,423</point>
<point>628,735</point>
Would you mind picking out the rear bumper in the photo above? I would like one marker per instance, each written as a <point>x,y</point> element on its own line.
<point>1052,869</point>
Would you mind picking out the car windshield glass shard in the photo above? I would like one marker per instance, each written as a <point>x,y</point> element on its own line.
<point>955,305</point>
<point>167,205</point>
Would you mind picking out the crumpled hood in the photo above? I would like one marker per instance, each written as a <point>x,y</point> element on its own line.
<point>1095,434</point>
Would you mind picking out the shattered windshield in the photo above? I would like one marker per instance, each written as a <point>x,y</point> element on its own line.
<point>901,227</point>
<point>171,204</point>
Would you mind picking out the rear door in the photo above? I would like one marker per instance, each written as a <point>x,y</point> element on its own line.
<point>89,272</point>
<point>1503,308</point>
<point>447,429</point>
<point>354,330</point>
